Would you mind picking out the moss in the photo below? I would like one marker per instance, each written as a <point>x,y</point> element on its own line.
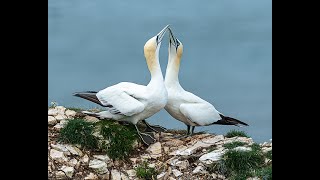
<point>78,131</point>
<point>145,172</point>
<point>120,137</point>
<point>234,133</point>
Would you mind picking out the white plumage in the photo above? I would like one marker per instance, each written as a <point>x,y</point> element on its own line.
<point>183,105</point>
<point>132,102</point>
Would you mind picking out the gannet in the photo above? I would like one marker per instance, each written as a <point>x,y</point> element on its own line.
<point>183,105</point>
<point>130,102</point>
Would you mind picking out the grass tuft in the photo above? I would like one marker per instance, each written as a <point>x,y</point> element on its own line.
<point>121,138</point>
<point>234,144</point>
<point>78,131</point>
<point>145,172</point>
<point>234,133</point>
<point>269,154</point>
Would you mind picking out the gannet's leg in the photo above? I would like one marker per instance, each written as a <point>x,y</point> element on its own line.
<point>146,138</point>
<point>192,130</point>
<point>155,128</point>
<point>185,135</point>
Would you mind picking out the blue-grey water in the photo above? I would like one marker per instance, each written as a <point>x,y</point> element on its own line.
<point>226,60</point>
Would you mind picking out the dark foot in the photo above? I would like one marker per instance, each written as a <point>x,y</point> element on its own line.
<point>147,139</point>
<point>155,128</point>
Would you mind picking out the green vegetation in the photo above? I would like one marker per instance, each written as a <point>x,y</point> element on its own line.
<point>264,173</point>
<point>234,133</point>
<point>78,131</point>
<point>234,144</point>
<point>269,154</point>
<point>121,138</point>
<point>117,139</point>
<point>145,172</point>
<point>240,165</point>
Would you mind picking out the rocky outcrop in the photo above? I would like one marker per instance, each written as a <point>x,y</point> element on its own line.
<point>172,158</point>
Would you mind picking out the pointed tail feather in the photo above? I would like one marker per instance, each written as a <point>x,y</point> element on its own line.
<point>89,95</point>
<point>225,120</point>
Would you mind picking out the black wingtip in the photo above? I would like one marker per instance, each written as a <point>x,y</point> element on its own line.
<point>225,120</point>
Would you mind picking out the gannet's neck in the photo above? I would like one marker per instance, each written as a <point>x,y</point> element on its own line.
<point>172,72</point>
<point>152,58</point>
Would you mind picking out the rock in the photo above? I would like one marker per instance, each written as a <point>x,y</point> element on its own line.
<point>199,170</point>
<point>173,142</point>
<point>91,119</point>
<point>60,147</point>
<point>124,177</point>
<point>220,176</point>
<point>104,158</point>
<point>115,175</point>
<point>58,156</point>
<point>266,149</point>
<point>52,121</point>
<point>52,112</point>
<point>73,162</point>
<point>60,109</point>
<point>166,150</point>
<point>176,173</point>
<point>91,176</point>
<point>199,144</point>
<point>60,175</point>
<point>60,117</point>
<point>68,170</point>
<point>161,175</point>
<point>242,148</point>
<point>246,140</point>
<point>182,164</point>
<point>211,157</point>
<point>152,165</point>
<point>133,160</point>
<point>214,176</point>
<point>131,173</point>
<point>155,150</point>
<point>98,166</point>
<point>166,176</point>
<point>57,127</point>
<point>267,161</point>
<point>70,113</point>
<point>74,150</point>
<point>85,159</point>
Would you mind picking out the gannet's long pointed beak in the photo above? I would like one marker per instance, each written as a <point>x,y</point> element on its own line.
<point>161,34</point>
<point>172,41</point>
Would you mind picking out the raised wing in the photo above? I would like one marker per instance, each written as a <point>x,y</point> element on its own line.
<point>123,98</point>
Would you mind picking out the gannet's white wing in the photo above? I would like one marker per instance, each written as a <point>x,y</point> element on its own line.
<point>123,98</point>
<point>198,110</point>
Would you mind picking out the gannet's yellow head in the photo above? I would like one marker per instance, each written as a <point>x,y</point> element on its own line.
<point>152,46</point>
<point>175,48</point>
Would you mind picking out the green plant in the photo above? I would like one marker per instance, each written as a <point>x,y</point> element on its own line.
<point>145,172</point>
<point>78,131</point>
<point>269,154</point>
<point>120,137</point>
<point>265,173</point>
<point>234,133</point>
<point>234,144</point>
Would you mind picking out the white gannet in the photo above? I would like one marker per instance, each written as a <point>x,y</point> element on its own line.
<point>130,102</point>
<point>183,105</point>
